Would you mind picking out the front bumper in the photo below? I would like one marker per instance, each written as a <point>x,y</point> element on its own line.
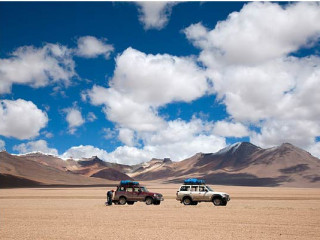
<point>226,198</point>
<point>158,198</point>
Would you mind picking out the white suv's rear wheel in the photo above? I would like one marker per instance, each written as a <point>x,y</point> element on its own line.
<point>187,201</point>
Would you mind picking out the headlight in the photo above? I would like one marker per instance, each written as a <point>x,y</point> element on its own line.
<point>157,195</point>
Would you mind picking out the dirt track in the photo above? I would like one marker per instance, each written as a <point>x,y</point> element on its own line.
<point>79,213</point>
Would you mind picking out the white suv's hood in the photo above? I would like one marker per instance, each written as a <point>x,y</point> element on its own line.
<point>220,193</point>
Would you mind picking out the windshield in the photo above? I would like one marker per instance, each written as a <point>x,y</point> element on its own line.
<point>210,189</point>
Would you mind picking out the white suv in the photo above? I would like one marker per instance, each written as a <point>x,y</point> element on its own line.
<point>191,194</point>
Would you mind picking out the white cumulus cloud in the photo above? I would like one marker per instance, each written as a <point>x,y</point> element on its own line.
<point>127,136</point>
<point>178,140</point>
<point>125,111</point>
<point>158,79</point>
<point>91,117</point>
<point>90,47</point>
<point>37,67</point>
<point>314,149</point>
<point>74,119</point>
<point>261,31</point>
<point>249,60</point>
<point>21,119</point>
<point>154,15</point>
<point>298,132</point>
<point>35,146</point>
<point>142,83</point>
<point>2,145</point>
<point>87,151</point>
<point>230,129</point>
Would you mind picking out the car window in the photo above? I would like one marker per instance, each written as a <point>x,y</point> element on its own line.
<point>136,189</point>
<point>129,189</point>
<point>120,188</point>
<point>209,188</point>
<point>185,188</point>
<point>194,188</point>
<point>144,189</point>
<point>202,189</point>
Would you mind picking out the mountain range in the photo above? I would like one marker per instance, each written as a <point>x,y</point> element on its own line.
<point>242,164</point>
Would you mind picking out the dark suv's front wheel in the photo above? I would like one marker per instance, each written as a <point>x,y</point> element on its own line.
<point>149,200</point>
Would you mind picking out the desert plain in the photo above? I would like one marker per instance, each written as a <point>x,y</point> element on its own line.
<point>80,213</point>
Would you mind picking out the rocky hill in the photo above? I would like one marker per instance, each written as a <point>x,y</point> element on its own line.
<point>244,164</point>
<point>238,164</point>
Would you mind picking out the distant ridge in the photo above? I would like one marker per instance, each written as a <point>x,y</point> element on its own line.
<point>18,171</point>
<point>238,164</point>
<point>244,164</point>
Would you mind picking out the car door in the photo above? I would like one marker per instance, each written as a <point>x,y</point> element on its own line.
<point>203,194</point>
<point>129,193</point>
<point>183,191</point>
<point>136,194</point>
<point>194,192</point>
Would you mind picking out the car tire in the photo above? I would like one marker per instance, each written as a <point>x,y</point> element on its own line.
<point>217,201</point>
<point>224,203</point>
<point>187,201</point>
<point>194,203</point>
<point>130,202</point>
<point>149,201</point>
<point>122,201</point>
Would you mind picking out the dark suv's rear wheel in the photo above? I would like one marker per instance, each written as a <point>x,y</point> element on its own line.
<point>187,201</point>
<point>122,201</point>
<point>217,201</point>
<point>149,200</point>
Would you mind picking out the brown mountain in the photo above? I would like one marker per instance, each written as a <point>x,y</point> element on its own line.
<point>18,171</point>
<point>238,164</point>
<point>51,161</point>
<point>244,164</point>
<point>152,166</point>
<point>95,167</point>
<point>90,167</point>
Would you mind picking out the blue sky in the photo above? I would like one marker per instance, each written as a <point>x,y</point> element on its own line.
<point>130,81</point>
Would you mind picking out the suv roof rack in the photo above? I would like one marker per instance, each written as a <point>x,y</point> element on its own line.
<point>194,181</point>
<point>128,182</point>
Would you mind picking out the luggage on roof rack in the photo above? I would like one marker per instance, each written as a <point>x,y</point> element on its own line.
<point>194,181</point>
<point>128,182</point>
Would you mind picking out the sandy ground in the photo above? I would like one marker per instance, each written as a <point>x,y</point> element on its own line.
<point>79,213</point>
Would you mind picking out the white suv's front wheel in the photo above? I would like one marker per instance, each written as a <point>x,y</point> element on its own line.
<point>217,201</point>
